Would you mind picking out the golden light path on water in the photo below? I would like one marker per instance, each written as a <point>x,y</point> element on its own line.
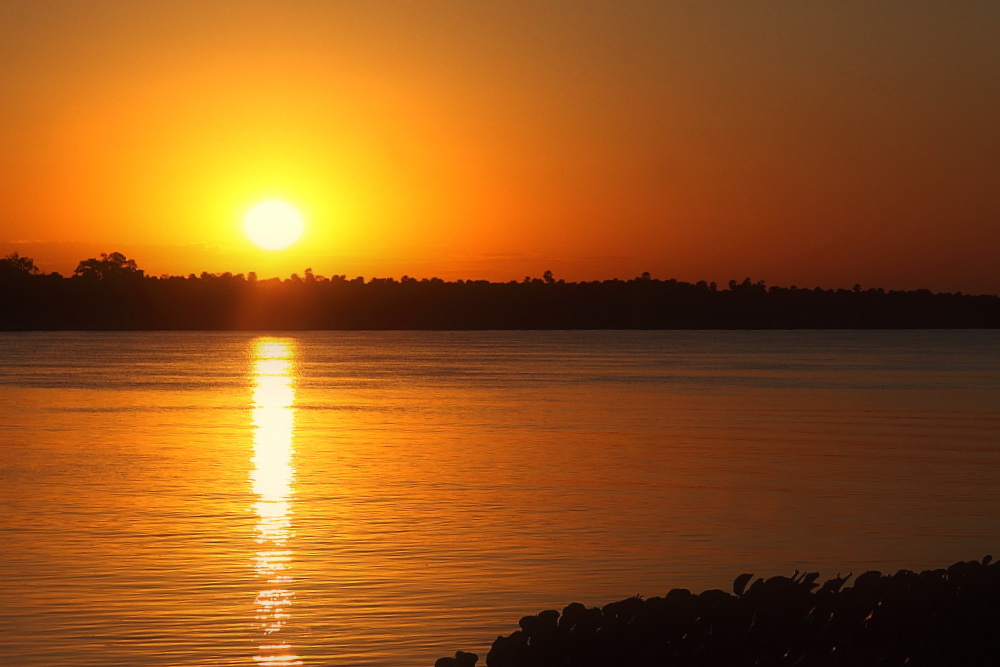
<point>272,478</point>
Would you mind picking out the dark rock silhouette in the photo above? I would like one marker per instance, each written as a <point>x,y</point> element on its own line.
<point>461,659</point>
<point>112,293</point>
<point>937,618</point>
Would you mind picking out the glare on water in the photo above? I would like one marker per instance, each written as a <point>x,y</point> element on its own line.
<point>272,478</point>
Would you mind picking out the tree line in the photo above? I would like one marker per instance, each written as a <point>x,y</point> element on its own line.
<point>111,292</point>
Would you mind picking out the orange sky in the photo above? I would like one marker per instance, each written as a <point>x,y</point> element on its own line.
<point>799,143</point>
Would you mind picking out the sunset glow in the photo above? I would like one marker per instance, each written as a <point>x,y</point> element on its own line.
<point>352,332</point>
<point>802,145</point>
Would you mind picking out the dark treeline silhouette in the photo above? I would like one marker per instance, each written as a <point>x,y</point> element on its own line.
<point>938,618</point>
<point>110,292</point>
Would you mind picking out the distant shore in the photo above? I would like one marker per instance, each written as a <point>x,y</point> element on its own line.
<point>937,618</point>
<point>112,293</point>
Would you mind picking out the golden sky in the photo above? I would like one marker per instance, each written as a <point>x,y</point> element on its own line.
<point>799,143</point>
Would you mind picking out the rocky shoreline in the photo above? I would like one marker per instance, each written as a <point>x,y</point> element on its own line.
<point>935,618</point>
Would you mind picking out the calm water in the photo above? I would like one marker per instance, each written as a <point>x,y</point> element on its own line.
<point>387,498</point>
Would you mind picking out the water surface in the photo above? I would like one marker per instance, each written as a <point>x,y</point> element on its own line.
<point>387,498</point>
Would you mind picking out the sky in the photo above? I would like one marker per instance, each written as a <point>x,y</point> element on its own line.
<point>800,143</point>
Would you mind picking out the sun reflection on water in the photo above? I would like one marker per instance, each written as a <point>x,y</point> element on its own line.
<point>271,480</point>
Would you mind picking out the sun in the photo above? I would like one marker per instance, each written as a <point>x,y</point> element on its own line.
<point>273,225</point>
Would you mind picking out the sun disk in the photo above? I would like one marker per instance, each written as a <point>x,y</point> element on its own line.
<point>273,225</point>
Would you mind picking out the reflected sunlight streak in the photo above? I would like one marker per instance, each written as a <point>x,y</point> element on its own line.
<point>271,480</point>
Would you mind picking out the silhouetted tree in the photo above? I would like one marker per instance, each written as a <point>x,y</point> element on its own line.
<point>114,266</point>
<point>16,264</point>
<point>111,292</point>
